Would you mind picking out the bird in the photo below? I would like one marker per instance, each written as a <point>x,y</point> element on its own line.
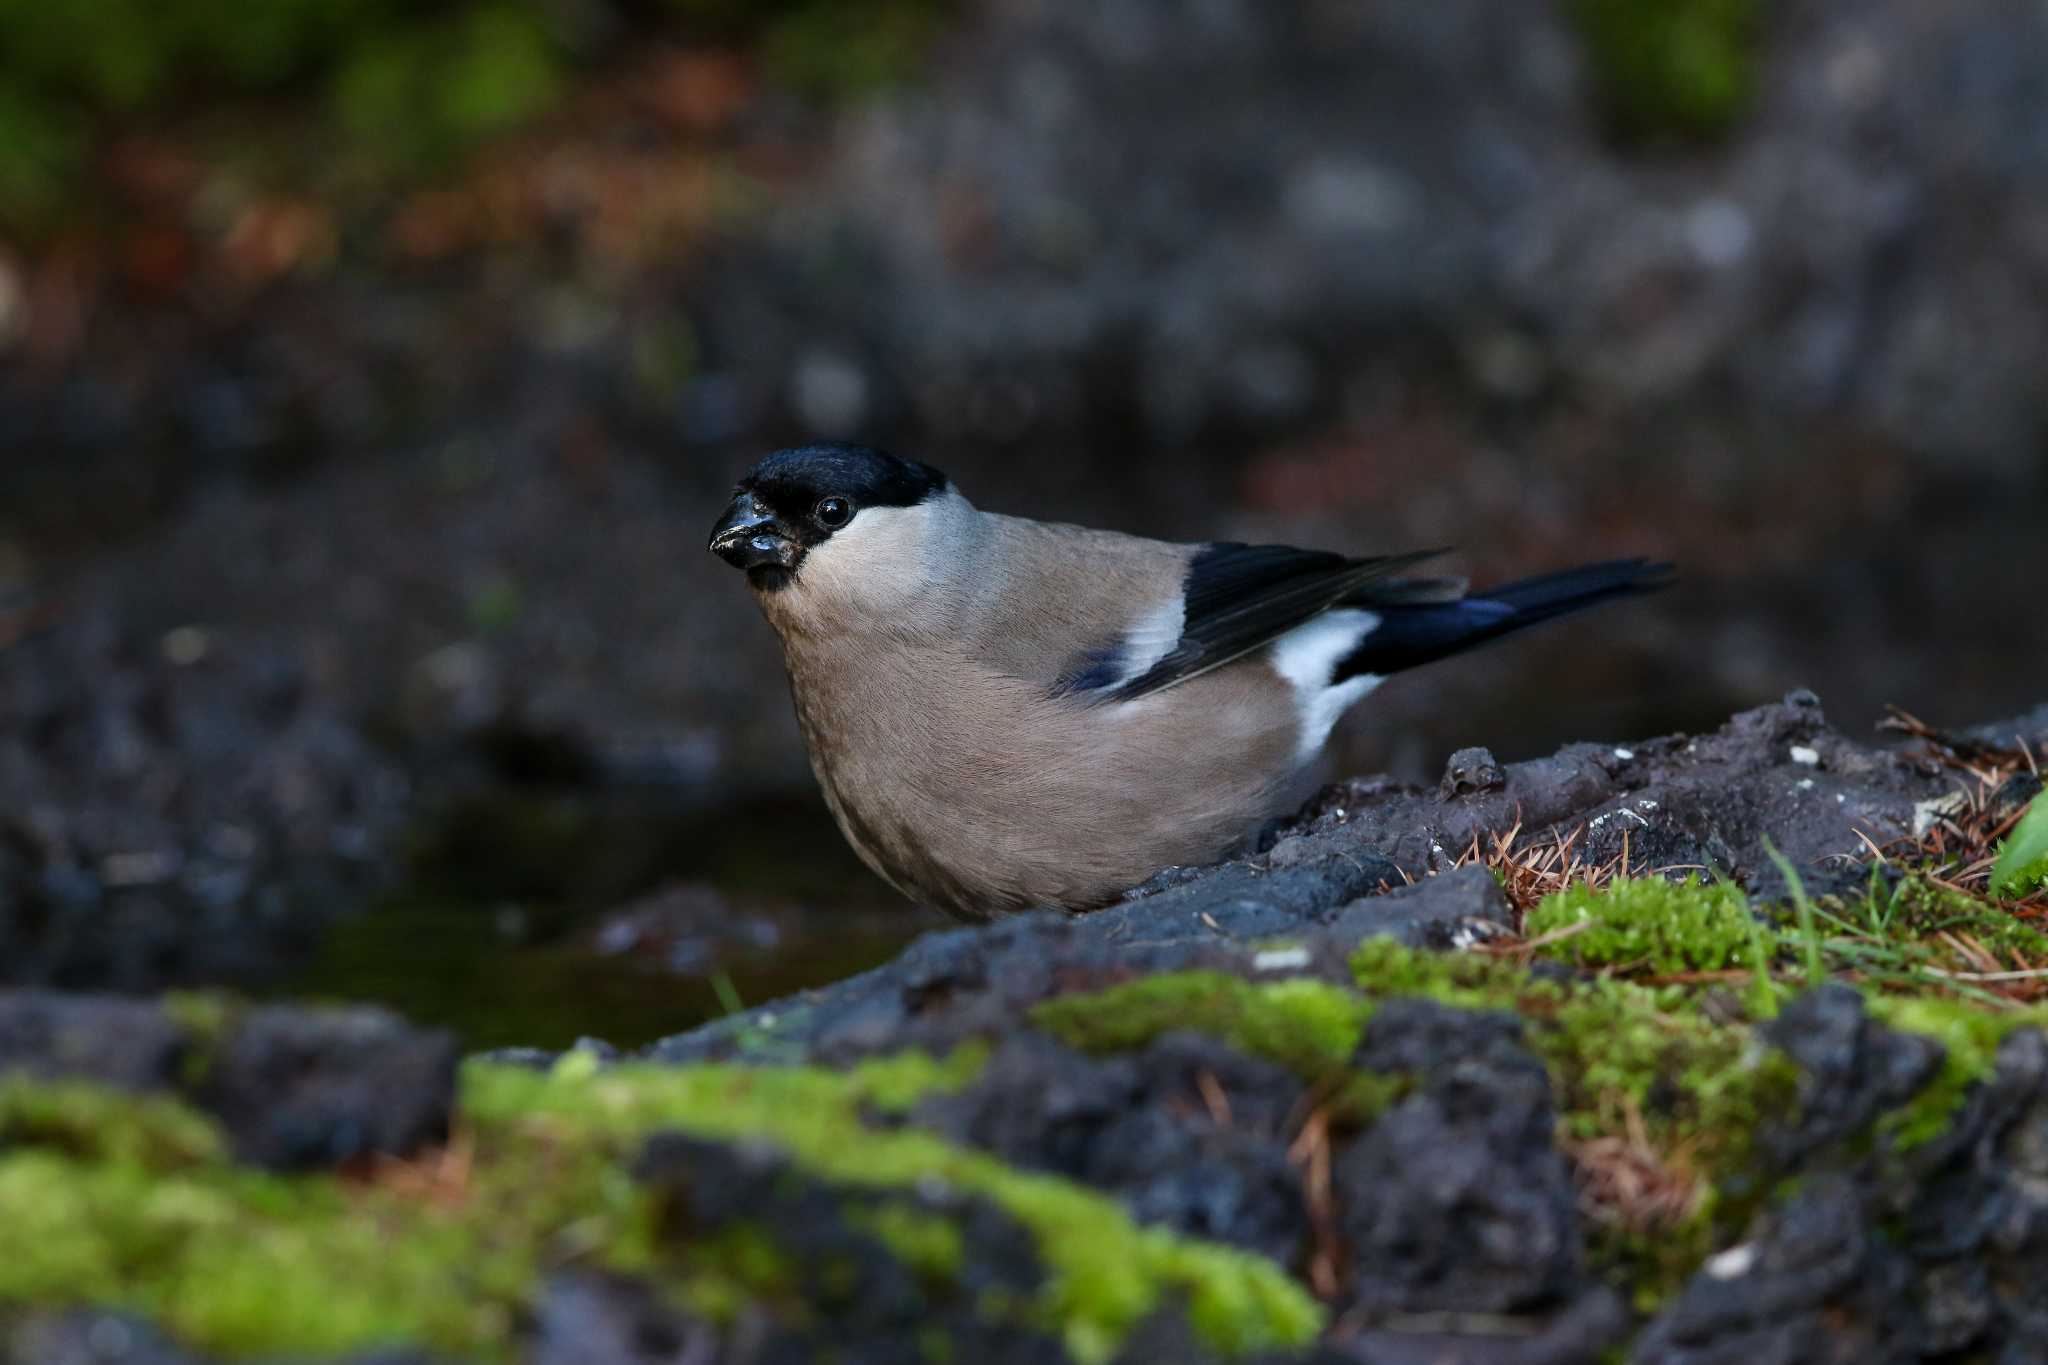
<point>1006,713</point>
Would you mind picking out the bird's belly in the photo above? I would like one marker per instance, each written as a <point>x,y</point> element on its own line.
<point>980,809</point>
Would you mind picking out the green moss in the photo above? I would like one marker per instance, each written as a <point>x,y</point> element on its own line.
<point>132,1202</point>
<point>91,1123</point>
<point>735,1271</point>
<point>1677,1068</point>
<point>1969,1036</point>
<point>1922,907</point>
<point>377,83</point>
<point>1625,1059</point>
<point>1622,1059</point>
<point>1307,1026</point>
<point>1616,1052</point>
<point>207,1018</point>
<point>895,1084</point>
<point>934,1346</point>
<point>242,1263</point>
<point>1105,1273</point>
<point>926,1242</point>
<point>1916,935</point>
<point>1363,1096</point>
<point>1671,69</point>
<point>1384,968</point>
<point>839,50</point>
<point>1668,927</point>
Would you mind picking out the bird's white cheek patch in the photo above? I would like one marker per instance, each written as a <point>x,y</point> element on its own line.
<point>1307,656</point>
<point>877,563</point>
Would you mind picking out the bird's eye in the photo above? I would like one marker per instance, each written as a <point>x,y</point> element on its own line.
<point>833,513</point>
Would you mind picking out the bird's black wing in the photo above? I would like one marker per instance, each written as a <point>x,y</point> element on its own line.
<point>1240,597</point>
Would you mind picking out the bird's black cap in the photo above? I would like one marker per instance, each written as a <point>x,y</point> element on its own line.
<point>871,478</point>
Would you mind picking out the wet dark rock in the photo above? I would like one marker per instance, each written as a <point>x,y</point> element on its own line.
<point>128,1044</point>
<point>691,930</point>
<point>2030,728</point>
<point>863,1303</point>
<point>299,1090</point>
<point>1777,772</point>
<point>1394,177</point>
<point>1186,1132</point>
<point>967,982</point>
<point>1471,770</point>
<point>90,1339</point>
<point>1455,1199</point>
<point>1977,1197</point>
<point>293,1088</point>
<point>1851,1068</point>
<point>1450,909</point>
<point>1817,1283</point>
<point>1591,1324</point>
<point>2015,794</point>
<point>176,806</point>
<point>1877,1254</point>
<point>586,1319</point>
<point>99,1338</point>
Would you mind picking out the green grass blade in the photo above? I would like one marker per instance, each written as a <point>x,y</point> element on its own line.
<point>1809,932</point>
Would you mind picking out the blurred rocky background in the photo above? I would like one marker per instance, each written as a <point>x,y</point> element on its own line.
<point>370,373</point>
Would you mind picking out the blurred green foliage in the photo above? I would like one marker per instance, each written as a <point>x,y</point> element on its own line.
<point>1672,70</point>
<point>2023,858</point>
<point>405,82</point>
<point>838,50</point>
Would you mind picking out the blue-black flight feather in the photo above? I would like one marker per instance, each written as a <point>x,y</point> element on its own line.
<point>1240,597</point>
<point>1412,635</point>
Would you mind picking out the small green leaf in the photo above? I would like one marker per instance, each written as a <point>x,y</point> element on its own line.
<point>2023,860</point>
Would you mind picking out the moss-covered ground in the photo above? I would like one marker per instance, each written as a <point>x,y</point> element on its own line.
<point>1661,1077</point>
<point>132,1202</point>
<point>1649,1012</point>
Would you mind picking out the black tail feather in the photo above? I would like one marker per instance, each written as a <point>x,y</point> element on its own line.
<point>1411,635</point>
<point>1555,594</point>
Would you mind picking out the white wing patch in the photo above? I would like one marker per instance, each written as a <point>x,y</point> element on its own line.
<point>1306,657</point>
<point>1151,637</point>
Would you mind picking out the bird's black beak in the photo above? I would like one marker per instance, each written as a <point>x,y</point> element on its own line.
<point>749,537</point>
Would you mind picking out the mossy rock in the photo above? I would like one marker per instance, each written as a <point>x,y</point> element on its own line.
<point>1661,1089</point>
<point>1672,70</point>
<point>1647,923</point>
<point>131,1202</point>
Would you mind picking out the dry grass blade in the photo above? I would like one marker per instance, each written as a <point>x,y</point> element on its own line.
<point>1960,751</point>
<point>1530,871</point>
<point>1310,1151</point>
<point>1524,947</point>
<point>1900,721</point>
<point>2026,974</point>
<point>1214,1099</point>
<point>1625,1182</point>
<point>440,1177</point>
